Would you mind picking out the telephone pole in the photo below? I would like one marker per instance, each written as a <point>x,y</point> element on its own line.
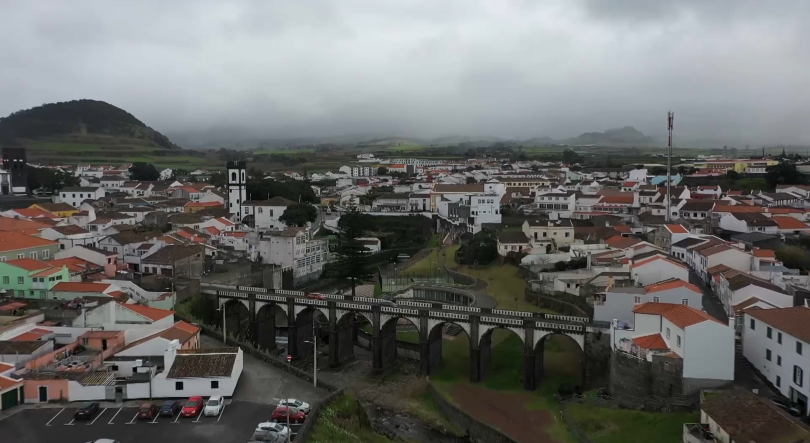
<point>670,120</point>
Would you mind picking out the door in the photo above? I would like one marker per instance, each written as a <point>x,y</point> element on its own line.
<point>8,400</point>
<point>43,394</point>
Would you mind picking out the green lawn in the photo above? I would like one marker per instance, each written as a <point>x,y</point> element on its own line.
<point>606,425</point>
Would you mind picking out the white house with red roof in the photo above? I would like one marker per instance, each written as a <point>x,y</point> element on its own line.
<point>655,269</point>
<point>713,254</point>
<point>617,303</point>
<point>790,225</point>
<point>118,316</point>
<point>703,345</point>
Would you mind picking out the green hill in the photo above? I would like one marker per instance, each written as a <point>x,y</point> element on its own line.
<point>90,131</point>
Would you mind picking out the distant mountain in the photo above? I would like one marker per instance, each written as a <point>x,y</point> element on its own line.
<point>617,136</point>
<point>79,121</point>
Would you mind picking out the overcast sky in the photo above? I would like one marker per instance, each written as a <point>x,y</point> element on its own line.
<point>728,68</point>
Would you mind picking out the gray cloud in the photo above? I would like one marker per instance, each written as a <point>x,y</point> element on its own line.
<point>423,68</point>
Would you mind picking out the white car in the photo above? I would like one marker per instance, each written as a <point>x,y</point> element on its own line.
<point>297,404</point>
<point>213,406</point>
<point>269,431</point>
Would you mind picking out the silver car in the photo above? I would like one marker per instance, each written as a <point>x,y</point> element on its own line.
<point>297,404</point>
<point>269,431</point>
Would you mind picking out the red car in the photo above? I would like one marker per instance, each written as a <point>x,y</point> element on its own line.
<point>316,296</point>
<point>280,415</point>
<point>193,407</point>
<point>147,411</point>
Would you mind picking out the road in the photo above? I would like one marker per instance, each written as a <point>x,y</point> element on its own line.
<point>265,384</point>
<point>711,304</point>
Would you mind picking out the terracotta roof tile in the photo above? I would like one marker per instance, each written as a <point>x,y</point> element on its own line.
<point>652,341</point>
<point>153,314</point>
<point>29,264</point>
<point>790,223</point>
<point>676,229</point>
<point>657,257</point>
<point>15,241</point>
<point>681,316</point>
<point>81,287</point>
<point>672,284</point>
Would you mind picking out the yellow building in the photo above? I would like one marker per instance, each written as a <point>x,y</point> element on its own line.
<point>57,209</point>
<point>747,166</point>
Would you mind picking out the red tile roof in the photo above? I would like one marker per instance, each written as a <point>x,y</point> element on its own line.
<point>154,314</point>
<point>29,264</point>
<point>676,229</point>
<point>764,253</point>
<point>202,204</point>
<point>624,229</point>
<point>616,199</point>
<point>19,224</point>
<point>738,209</point>
<point>672,284</point>
<point>12,306</point>
<point>48,272</point>
<point>681,316</point>
<point>34,212</point>
<point>81,287</point>
<point>652,341</point>
<point>790,223</point>
<point>620,242</point>
<point>714,250</point>
<point>34,334</point>
<point>15,241</point>
<point>655,258</point>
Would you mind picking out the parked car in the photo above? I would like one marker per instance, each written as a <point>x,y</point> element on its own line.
<point>387,303</point>
<point>316,296</point>
<point>147,411</point>
<point>281,413</point>
<point>87,411</point>
<point>169,408</point>
<point>213,406</point>
<point>265,431</point>
<point>193,407</point>
<point>297,404</point>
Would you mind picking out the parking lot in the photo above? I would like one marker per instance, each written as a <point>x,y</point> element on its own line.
<point>236,423</point>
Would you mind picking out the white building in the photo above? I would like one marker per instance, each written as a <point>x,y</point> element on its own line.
<point>618,303</point>
<point>736,287</point>
<point>266,213</point>
<point>292,247</point>
<point>777,343</point>
<point>74,196</point>
<point>748,222</point>
<point>117,316</point>
<point>237,187</point>
<point>655,269</point>
<point>705,257</point>
<point>704,344</point>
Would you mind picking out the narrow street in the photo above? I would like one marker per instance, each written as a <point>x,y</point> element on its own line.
<point>711,304</point>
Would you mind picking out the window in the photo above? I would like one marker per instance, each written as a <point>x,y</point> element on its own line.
<point>567,234</point>
<point>779,337</point>
<point>5,280</point>
<point>214,384</point>
<point>667,332</point>
<point>753,325</point>
<point>20,280</point>
<point>637,299</point>
<point>768,354</point>
<point>769,332</point>
<point>261,210</point>
<point>798,376</point>
<point>178,386</point>
<point>798,347</point>
<point>778,360</point>
<point>679,341</point>
<point>656,299</point>
<point>778,381</point>
<point>41,294</point>
<point>85,341</point>
<point>19,256</point>
<point>685,301</point>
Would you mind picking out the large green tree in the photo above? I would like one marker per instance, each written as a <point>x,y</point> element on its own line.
<point>299,214</point>
<point>352,261</point>
<point>50,179</point>
<point>143,172</point>
<point>784,174</point>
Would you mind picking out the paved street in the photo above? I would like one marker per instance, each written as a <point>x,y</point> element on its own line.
<point>264,383</point>
<point>711,304</point>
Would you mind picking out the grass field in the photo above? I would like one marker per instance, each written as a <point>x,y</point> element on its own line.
<point>340,422</point>
<point>606,425</point>
<point>93,153</point>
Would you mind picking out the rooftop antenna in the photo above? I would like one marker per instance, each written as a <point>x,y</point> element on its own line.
<point>670,120</point>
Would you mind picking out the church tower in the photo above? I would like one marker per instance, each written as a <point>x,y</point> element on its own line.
<point>237,187</point>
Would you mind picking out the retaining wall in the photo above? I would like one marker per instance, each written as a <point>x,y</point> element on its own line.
<point>474,428</point>
<point>312,417</point>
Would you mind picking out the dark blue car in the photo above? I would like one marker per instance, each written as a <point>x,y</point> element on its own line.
<point>169,408</point>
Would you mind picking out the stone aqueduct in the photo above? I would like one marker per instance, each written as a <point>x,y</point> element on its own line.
<point>255,313</point>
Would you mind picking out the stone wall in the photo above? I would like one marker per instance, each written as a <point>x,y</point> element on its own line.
<point>475,429</point>
<point>405,349</point>
<point>631,376</point>
<point>597,360</point>
<point>312,417</point>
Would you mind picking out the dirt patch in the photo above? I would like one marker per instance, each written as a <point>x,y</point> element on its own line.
<point>506,411</point>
